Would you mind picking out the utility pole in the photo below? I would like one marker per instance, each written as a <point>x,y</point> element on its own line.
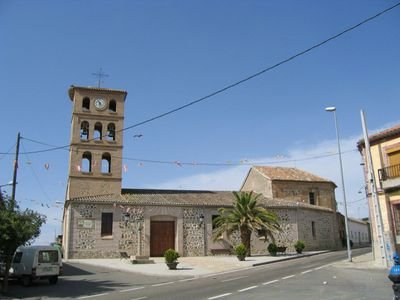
<point>14,181</point>
<point>374,194</point>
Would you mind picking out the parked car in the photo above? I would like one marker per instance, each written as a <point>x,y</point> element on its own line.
<point>36,262</point>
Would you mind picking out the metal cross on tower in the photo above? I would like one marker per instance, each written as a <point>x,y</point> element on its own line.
<point>100,75</point>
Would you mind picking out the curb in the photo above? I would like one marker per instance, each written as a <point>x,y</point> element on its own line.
<point>289,258</point>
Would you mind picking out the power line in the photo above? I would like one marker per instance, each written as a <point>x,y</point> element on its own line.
<point>212,164</point>
<point>8,152</point>
<point>264,70</point>
<point>35,175</point>
<point>228,87</point>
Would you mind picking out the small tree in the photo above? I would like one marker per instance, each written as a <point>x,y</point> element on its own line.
<point>17,228</point>
<point>245,217</point>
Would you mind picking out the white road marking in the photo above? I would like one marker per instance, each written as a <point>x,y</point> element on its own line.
<point>319,268</point>
<point>287,277</point>
<point>165,283</point>
<point>92,296</point>
<point>248,288</point>
<point>189,279</point>
<point>220,296</point>
<point>232,279</point>
<point>308,271</point>
<point>139,298</point>
<point>269,282</point>
<point>132,289</point>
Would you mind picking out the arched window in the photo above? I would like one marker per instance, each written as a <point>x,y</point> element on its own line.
<point>84,130</point>
<point>86,103</point>
<point>86,165</point>
<point>106,163</point>
<point>98,131</point>
<point>111,132</point>
<point>112,106</point>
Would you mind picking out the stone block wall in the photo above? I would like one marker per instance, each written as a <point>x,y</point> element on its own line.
<point>193,232</point>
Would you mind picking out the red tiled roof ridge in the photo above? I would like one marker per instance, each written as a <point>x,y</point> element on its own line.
<point>289,173</point>
<point>389,132</point>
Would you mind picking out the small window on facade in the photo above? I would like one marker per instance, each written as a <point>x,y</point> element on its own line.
<point>313,230</point>
<point>311,197</point>
<point>106,163</point>
<point>98,131</point>
<point>111,132</point>
<point>86,103</point>
<point>106,224</point>
<point>112,106</point>
<point>86,162</point>
<point>84,130</point>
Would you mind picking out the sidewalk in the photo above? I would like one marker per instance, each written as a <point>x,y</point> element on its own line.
<point>364,261</point>
<point>191,266</point>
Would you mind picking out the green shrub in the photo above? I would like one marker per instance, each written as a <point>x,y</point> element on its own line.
<point>272,249</point>
<point>171,256</point>
<point>299,246</point>
<point>240,250</point>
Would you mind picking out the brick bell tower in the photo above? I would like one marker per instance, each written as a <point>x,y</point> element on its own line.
<point>95,162</point>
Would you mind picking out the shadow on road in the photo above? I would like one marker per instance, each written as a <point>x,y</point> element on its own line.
<point>74,283</point>
<point>70,270</point>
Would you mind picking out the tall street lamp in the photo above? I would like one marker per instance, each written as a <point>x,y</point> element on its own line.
<point>333,109</point>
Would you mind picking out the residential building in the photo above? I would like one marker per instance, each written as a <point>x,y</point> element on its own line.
<point>385,154</point>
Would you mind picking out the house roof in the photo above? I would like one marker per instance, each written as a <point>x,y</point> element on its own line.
<point>72,89</point>
<point>289,174</point>
<point>381,136</point>
<point>185,198</point>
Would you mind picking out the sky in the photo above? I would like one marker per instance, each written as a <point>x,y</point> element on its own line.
<point>166,54</point>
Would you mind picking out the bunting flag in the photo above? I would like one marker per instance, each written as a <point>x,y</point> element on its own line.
<point>178,163</point>
<point>125,168</point>
<point>140,164</point>
<point>78,168</point>
<point>46,166</point>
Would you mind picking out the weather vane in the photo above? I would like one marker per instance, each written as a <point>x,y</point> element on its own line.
<point>100,75</point>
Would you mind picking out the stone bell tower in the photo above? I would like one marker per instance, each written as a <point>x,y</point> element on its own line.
<point>95,163</point>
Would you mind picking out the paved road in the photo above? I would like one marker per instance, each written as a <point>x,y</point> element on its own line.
<point>305,278</point>
<point>82,280</point>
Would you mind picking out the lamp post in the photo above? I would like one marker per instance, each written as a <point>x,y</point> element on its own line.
<point>333,109</point>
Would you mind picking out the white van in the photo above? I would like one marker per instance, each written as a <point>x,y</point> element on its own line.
<point>36,262</point>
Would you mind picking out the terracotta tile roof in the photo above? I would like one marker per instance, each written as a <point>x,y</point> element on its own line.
<point>289,174</point>
<point>185,198</point>
<point>71,90</point>
<point>382,136</point>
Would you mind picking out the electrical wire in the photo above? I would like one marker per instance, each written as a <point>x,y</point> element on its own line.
<point>35,175</point>
<point>8,151</point>
<point>212,164</point>
<point>230,86</point>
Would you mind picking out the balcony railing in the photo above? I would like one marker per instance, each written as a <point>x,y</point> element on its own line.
<point>389,172</point>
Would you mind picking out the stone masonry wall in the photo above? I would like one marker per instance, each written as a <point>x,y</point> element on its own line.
<point>193,232</point>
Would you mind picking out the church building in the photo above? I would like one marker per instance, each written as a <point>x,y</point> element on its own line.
<point>102,219</point>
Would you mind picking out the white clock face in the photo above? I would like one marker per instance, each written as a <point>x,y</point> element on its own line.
<point>100,103</point>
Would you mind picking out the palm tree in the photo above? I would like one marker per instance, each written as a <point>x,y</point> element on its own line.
<point>246,216</point>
